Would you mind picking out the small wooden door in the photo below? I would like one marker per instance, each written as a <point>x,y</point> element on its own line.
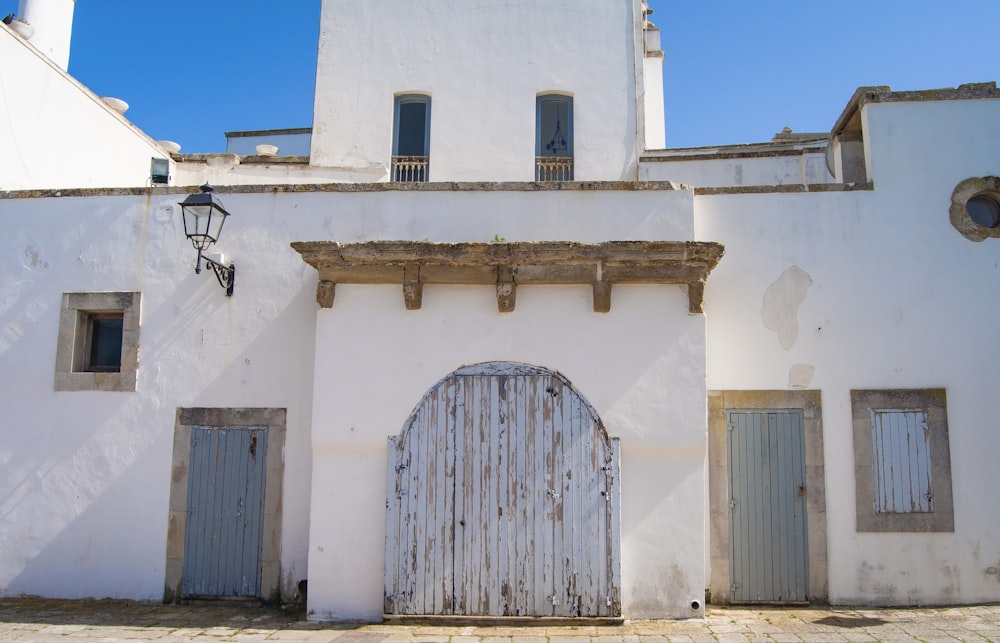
<point>503,500</point>
<point>225,516</point>
<point>768,549</point>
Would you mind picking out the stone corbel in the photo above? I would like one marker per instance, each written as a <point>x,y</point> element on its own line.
<point>506,289</point>
<point>325,291</point>
<point>696,297</point>
<point>602,296</point>
<point>413,288</point>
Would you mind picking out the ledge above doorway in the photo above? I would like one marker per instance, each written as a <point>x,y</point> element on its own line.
<point>507,265</point>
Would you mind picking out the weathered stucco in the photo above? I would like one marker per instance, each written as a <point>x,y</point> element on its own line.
<point>897,301</point>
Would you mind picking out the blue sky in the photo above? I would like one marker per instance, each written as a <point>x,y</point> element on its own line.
<point>735,71</point>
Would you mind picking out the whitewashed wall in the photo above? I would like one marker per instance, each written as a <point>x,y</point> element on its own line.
<point>85,476</point>
<point>653,123</point>
<point>798,169</point>
<point>483,63</point>
<point>55,133</point>
<point>876,290</point>
<point>229,169</point>
<point>641,366</point>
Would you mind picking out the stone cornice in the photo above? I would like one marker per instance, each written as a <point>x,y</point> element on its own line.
<point>354,188</point>
<point>507,265</point>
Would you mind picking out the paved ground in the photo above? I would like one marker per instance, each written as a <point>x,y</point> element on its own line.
<point>70,621</point>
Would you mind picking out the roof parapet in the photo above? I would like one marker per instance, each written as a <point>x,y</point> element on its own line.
<point>849,119</point>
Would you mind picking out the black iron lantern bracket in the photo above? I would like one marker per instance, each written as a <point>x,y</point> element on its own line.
<point>204,216</point>
<point>225,274</point>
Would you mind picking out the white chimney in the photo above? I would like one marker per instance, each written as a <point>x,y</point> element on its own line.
<point>52,21</point>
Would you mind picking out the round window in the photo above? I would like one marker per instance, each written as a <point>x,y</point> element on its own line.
<point>975,208</point>
<point>984,210</point>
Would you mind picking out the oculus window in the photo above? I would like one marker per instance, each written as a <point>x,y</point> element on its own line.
<point>975,208</point>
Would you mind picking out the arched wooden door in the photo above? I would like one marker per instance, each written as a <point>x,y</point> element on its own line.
<point>503,500</point>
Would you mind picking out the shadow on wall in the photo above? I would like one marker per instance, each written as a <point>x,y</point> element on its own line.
<point>111,548</point>
<point>272,368</point>
<point>84,476</point>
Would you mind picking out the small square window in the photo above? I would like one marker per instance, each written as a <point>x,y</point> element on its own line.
<point>98,342</point>
<point>902,461</point>
<point>101,350</point>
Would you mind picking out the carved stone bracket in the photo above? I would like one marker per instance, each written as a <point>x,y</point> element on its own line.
<point>507,265</point>
<point>413,288</point>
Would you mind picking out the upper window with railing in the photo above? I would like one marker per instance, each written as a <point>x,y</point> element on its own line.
<point>554,138</point>
<point>411,138</point>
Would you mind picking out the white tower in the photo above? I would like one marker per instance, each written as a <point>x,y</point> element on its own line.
<point>52,21</point>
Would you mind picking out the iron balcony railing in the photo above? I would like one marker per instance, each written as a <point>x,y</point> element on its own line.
<point>410,169</point>
<point>553,168</point>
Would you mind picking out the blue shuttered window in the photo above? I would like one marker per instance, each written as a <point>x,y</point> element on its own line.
<point>902,461</point>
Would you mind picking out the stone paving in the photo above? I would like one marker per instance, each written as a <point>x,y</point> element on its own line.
<point>30,619</point>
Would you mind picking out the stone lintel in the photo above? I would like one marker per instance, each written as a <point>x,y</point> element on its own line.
<point>506,265</point>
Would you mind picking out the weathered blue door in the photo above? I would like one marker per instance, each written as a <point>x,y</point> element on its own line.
<point>503,500</point>
<point>225,516</point>
<point>767,478</point>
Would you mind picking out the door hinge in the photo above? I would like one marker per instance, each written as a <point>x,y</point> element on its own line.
<point>732,503</point>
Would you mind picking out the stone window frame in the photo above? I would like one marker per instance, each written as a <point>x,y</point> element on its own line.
<point>933,403</point>
<point>959,213</point>
<point>275,419</point>
<point>74,315</point>
<point>810,402</point>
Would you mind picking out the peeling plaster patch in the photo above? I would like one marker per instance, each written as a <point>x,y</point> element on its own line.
<point>164,213</point>
<point>872,582</point>
<point>650,594</point>
<point>780,309</point>
<point>31,257</point>
<point>800,375</point>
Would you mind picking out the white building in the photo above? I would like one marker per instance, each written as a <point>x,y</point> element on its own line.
<point>589,410</point>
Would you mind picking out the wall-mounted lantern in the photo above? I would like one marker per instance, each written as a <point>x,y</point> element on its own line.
<point>204,216</point>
